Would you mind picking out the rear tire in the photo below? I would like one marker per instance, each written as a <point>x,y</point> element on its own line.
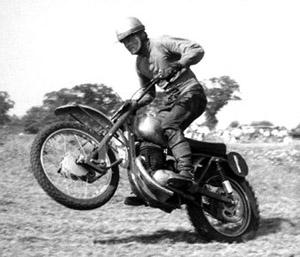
<point>47,151</point>
<point>243,223</point>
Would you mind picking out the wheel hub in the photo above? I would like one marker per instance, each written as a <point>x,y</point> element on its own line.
<point>70,169</point>
<point>232,213</point>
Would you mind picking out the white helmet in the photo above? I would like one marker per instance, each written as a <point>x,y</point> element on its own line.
<point>128,27</point>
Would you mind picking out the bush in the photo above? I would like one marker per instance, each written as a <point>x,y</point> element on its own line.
<point>36,118</point>
<point>262,123</point>
<point>234,124</point>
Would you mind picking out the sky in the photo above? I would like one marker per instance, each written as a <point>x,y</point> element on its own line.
<point>47,45</point>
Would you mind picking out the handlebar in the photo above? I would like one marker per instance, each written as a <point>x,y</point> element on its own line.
<point>149,86</point>
<point>171,78</point>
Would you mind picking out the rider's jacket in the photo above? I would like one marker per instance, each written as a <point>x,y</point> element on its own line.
<point>158,54</point>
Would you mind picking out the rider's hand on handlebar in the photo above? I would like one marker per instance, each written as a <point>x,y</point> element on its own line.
<point>170,71</point>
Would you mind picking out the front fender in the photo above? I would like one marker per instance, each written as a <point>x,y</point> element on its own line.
<point>88,112</point>
<point>99,122</point>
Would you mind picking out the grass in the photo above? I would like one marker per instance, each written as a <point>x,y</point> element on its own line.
<point>32,224</point>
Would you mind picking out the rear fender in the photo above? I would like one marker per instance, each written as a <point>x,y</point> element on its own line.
<point>237,164</point>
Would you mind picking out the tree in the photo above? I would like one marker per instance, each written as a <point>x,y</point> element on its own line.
<point>222,91</point>
<point>100,97</point>
<point>5,105</point>
<point>36,118</point>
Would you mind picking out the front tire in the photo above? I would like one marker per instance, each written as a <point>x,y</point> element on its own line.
<point>214,220</point>
<point>48,151</point>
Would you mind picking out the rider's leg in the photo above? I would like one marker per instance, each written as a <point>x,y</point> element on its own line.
<point>181,151</point>
<point>175,120</point>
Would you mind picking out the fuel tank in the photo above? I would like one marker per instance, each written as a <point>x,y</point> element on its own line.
<point>147,127</point>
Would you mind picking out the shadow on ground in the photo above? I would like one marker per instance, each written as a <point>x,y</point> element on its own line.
<point>154,238</point>
<point>275,225</point>
<point>267,226</point>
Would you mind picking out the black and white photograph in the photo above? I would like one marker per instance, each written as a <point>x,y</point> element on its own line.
<point>149,128</point>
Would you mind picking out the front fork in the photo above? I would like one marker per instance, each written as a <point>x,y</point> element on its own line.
<point>93,159</point>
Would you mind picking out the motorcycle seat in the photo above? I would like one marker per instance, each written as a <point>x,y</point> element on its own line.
<point>218,149</point>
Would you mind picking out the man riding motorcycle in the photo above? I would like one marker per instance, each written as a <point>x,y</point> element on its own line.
<point>164,57</point>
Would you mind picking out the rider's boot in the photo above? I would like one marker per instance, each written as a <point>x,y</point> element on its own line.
<point>134,201</point>
<point>181,151</point>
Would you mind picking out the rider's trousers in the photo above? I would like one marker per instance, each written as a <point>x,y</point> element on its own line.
<point>175,118</point>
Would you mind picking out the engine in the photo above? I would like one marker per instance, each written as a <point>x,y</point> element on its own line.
<point>153,156</point>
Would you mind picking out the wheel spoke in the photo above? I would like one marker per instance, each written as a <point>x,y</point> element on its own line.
<point>71,143</point>
<point>81,147</point>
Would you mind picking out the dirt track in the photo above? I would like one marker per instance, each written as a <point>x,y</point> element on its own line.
<point>31,224</point>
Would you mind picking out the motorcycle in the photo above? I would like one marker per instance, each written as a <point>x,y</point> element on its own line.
<point>78,164</point>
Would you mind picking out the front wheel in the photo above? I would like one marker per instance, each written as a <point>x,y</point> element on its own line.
<point>215,220</point>
<point>54,154</point>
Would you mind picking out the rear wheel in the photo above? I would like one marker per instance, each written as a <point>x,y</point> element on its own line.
<point>54,154</point>
<point>215,220</point>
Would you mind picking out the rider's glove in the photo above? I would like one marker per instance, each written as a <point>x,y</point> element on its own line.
<point>171,70</point>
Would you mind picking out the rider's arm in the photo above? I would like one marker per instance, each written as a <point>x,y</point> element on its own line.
<point>190,52</point>
<point>150,95</point>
